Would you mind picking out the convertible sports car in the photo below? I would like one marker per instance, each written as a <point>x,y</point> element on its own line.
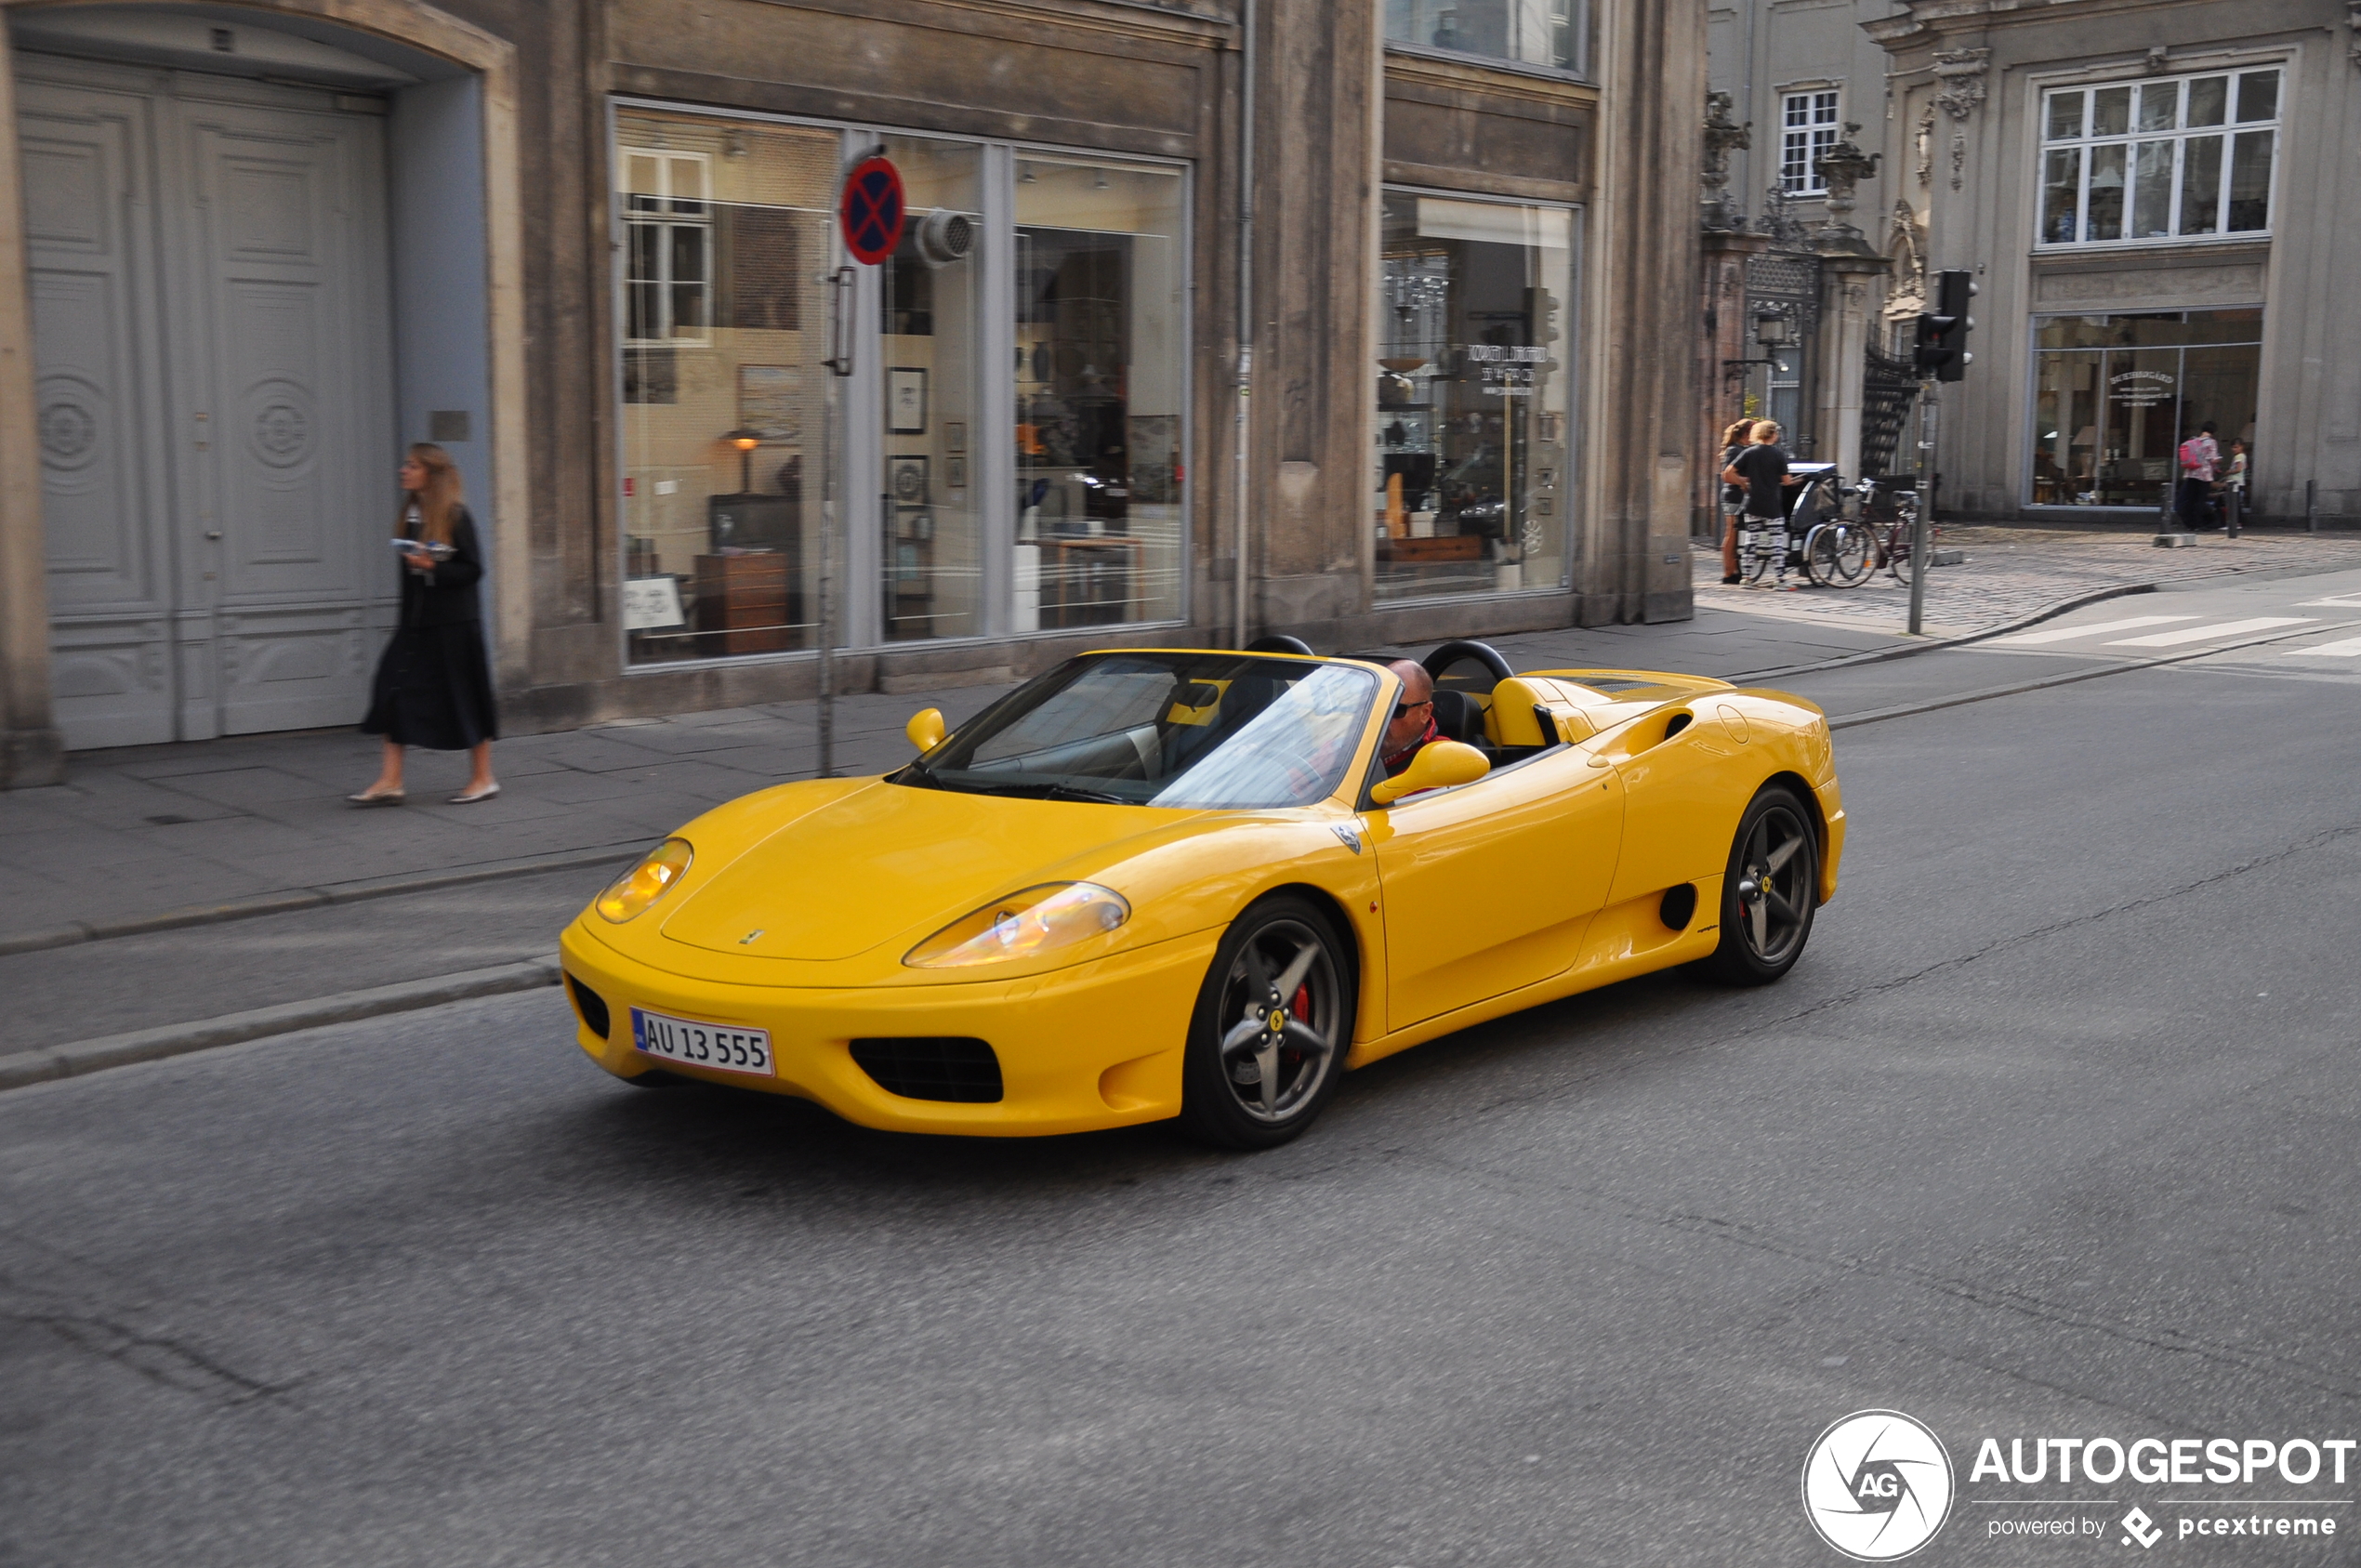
<point>1153,884</point>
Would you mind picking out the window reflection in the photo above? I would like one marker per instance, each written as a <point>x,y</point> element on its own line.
<point>1100,377</point>
<point>1472,404</point>
<point>2116,395</point>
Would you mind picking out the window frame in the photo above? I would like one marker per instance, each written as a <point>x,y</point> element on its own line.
<point>2180,136</point>
<point>1813,135</point>
<point>856,437</point>
<point>1578,24</point>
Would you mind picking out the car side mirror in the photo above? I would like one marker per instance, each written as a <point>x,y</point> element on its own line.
<point>925,730</point>
<point>1439,765</point>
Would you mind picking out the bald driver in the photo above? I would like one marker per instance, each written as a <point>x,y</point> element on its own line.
<point>1412,725</point>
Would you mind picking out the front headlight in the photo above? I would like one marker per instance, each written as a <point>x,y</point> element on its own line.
<point>643,883</point>
<point>1023,924</point>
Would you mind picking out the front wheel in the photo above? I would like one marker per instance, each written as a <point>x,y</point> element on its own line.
<point>1769,890</point>
<point>1900,561</point>
<point>1273,1023</point>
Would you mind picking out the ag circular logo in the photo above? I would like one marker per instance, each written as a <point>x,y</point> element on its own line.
<point>1876,1485</point>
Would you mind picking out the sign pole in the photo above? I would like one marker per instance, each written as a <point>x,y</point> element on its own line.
<point>1920,522</point>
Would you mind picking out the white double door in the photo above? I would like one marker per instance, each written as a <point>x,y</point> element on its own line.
<point>216,401</point>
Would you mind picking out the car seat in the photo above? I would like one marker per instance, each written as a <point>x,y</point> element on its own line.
<point>1458,717</point>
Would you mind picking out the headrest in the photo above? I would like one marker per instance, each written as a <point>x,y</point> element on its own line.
<point>1458,717</point>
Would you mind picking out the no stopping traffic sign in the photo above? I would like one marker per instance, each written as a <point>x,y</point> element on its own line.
<point>870,210</point>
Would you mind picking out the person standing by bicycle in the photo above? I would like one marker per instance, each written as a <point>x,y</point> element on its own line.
<point>1762,468</point>
<point>1733,497</point>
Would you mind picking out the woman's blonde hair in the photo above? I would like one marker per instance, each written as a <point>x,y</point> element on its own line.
<point>1737,434</point>
<point>438,501</point>
<point>1764,432</point>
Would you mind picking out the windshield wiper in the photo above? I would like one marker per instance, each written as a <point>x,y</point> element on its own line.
<point>1043,792</point>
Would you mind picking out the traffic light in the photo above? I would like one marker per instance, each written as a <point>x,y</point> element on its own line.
<point>1943,331</point>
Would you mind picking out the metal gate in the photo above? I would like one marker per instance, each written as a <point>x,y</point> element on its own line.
<point>1889,386</point>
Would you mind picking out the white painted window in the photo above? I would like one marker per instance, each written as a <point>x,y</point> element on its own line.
<point>2164,159</point>
<point>668,212</point>
<point>1807,128</point>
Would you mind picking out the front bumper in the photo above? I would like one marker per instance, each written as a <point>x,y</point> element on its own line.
<point>1095,1045</point>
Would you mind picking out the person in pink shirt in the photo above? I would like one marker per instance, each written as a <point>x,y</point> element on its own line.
<point>2199,459</point>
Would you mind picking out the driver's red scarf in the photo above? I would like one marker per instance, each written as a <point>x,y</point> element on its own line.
<point>1397,760</point>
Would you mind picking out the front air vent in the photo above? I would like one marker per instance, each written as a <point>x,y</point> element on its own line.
<point>591,1006</point>
<point>950,1067</point>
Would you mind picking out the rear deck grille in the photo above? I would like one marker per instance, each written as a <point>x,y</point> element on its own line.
<point>948,1067</point>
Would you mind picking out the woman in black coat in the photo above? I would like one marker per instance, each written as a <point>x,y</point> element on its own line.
<point>433,688</point>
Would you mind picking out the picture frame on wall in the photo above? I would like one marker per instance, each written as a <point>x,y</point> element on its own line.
<point>917,523</point>
<point>954,473</point>
<point>954,437</point>
<point>906,480</point>
<point>767,400</point>
<point>906,399</point>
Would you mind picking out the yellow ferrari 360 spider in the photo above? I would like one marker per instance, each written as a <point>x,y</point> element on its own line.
<point>1154,884</point>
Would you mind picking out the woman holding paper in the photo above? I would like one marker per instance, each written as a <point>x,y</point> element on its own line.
<point>434,687</point>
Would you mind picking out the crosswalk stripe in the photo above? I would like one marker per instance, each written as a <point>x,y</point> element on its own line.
<point>2219,628</point>
<point>2062,634</point>
<point>2349,649</point>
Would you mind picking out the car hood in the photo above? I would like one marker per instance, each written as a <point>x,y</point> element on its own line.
<point>885,860</point>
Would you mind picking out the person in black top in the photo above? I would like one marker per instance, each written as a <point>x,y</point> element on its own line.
<point>1762,468</point>
<point>434,687</point>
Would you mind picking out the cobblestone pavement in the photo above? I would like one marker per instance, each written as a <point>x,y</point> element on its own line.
<point>2012,571</point>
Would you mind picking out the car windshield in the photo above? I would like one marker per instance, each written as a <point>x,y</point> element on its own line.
<point>1208,732</point>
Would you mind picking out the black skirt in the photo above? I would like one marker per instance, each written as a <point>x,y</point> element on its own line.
<point>433,689</point>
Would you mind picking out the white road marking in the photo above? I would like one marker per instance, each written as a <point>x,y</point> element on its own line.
<point>2064,634</point>
<point>2349,649</point>
<point>2219,628</point>
<point>2335,601</point>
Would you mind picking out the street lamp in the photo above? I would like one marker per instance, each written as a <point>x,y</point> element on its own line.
<point>1773,332</point>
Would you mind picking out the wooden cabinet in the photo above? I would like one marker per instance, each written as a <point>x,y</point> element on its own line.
<point>748,603</point>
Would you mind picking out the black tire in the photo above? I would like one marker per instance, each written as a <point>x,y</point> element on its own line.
<point>1292,1070</point>
<point>1769,890</point>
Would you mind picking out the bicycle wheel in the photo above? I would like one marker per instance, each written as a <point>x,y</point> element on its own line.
<point>1838,555</point>
<point>1901,562</point>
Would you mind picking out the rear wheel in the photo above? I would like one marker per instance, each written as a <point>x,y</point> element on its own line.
<point>1273,1023</point>
<point>1769,890</point>
<point>1838,555</point>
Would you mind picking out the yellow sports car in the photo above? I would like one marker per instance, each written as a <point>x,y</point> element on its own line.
<point>1181,884</point>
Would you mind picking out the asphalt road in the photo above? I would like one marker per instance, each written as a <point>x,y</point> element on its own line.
<point>2051,1134</point>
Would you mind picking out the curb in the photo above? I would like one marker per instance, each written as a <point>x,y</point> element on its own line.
<point>310,898</point>
<point>180,1039</point>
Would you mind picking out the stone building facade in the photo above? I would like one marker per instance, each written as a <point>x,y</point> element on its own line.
<point>2152,198</point>
<point>1212,318</point>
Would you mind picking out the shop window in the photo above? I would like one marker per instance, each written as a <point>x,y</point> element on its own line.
<point>2182,157</point>
<point>2113,396</point>
<point>1472,405</point>
<point>1100,379</point>
<point>725,233</point>
<point>1540,32</point>
<point>1807,128</point>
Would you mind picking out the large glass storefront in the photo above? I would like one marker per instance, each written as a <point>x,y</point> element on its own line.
<point>1004,454</point>
<point>1473,407</point>
<point>2114,396</point>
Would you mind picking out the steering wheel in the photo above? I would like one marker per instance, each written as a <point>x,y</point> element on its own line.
<point>1452,656</point>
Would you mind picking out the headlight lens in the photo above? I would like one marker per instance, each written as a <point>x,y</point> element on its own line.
<point>1023,924</point>
<point>643,883</point>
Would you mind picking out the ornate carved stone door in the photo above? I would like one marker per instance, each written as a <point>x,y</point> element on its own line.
<point>210,315</point>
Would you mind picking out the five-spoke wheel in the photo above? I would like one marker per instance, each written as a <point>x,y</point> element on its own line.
<point>1267,1044</point>
<point>1770,889</point>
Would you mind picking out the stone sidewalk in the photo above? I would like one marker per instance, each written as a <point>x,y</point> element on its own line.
<point>156,836</point>
<point>2012,571</point>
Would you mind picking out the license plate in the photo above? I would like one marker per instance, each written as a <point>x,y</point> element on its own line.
<point>702,1045</point>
